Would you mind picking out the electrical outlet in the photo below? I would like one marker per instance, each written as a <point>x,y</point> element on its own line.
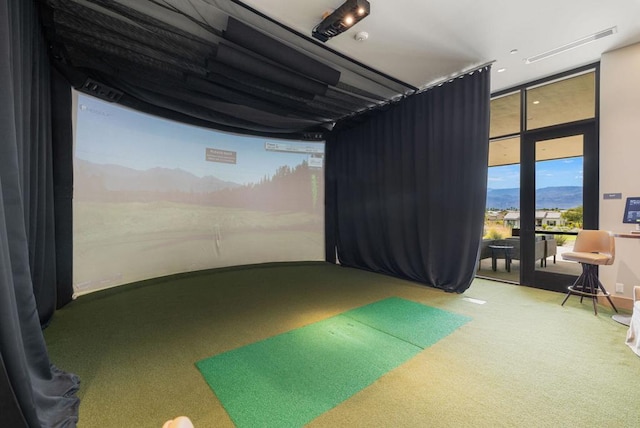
<point>619,287</point>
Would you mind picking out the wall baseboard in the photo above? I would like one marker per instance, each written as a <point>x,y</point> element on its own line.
<point>623,303</point>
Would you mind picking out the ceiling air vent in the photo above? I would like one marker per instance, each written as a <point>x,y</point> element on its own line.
<point>572,45</point>
<point>100,90</point>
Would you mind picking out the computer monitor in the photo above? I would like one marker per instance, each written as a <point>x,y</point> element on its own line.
<point>632,212</point>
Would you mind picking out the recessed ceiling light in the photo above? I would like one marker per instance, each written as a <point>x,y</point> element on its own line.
<point>513,51</point>
<point>501,70</point>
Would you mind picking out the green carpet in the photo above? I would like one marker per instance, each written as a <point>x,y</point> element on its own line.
<point>290,379</point>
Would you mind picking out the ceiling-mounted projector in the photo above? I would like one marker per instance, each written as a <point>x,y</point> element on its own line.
<point>341,19</point>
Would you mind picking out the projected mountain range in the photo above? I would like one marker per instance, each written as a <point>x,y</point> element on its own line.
<point>562,197</point>
<point>297,188</point>
<point>91,177</point>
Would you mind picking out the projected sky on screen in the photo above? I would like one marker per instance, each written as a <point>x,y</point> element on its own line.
<point>111,134</point>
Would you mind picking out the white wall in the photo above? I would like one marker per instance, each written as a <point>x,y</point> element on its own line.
<point>620,160</point>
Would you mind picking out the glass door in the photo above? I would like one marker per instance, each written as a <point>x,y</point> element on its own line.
<point>559,198</point>
<point>542,179</point>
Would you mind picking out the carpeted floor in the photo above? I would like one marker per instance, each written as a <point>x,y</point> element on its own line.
<point>291,378</point>
<point>500,274</point>
<point>524,360</point>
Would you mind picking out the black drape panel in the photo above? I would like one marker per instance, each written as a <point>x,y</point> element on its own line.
<point>406,188</point>
<point>10,413</point>
<point>44,394</point>
<point>62,152</point>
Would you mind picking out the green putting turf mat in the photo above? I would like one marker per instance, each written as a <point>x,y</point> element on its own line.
<point>290,379</point>
<point>413,322</point>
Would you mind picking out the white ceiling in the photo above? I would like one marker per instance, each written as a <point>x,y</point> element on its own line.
<point>423,42</point>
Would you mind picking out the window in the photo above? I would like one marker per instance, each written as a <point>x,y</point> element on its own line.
<point>543,151</point>
<point>562,101</point>
<point>505,115</point>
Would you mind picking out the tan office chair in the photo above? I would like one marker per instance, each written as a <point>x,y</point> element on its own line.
<point>592,248</point>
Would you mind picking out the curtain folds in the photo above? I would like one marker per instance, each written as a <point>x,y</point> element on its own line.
<point>406,188</point>
<point>44,394</point>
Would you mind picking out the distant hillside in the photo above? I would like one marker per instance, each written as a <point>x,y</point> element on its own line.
<point>296,189</point>
<point>562,197</point>
<point>91,177</point>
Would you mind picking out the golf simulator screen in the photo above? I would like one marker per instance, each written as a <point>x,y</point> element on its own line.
<point>153,197</point>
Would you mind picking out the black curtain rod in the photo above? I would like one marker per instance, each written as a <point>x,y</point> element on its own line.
<point>359,114</point>
<point>455,76</point>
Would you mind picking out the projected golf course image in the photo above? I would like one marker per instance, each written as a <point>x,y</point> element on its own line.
<point>154,197</point>
<point>118,243</point>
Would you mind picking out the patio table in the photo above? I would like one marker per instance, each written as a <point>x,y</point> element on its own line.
<point>497,250</point>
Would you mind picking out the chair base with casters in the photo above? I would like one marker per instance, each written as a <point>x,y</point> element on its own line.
<point>588,285</point>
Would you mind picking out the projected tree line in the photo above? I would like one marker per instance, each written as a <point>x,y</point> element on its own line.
<point>299,188</point>
<point>289,189</point>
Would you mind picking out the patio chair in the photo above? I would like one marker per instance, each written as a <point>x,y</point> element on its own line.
<point>550,248</point>
<point>485,251</point>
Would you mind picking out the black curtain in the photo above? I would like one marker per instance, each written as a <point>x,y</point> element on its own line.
<point>406,187</point>
<point>44,395</point>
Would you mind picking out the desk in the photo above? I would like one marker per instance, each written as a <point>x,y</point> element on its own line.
<point>626,235</point>
<point>495,251</point>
